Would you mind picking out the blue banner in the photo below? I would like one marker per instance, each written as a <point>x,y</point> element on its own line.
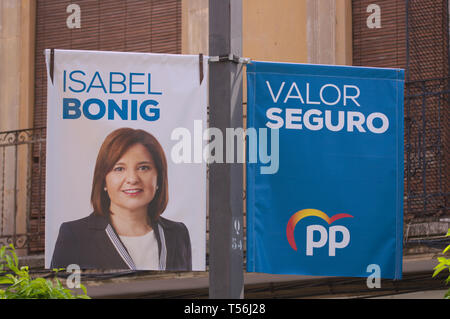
<point>325,197</point>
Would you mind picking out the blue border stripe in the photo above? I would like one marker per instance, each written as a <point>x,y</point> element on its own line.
<point>325,70</point>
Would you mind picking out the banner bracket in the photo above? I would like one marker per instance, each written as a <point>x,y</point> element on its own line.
<point>230,57</point>
<point>200,65</point>
<point>52,63</point>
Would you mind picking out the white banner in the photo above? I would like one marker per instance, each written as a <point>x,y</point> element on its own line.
<point>111,202</point>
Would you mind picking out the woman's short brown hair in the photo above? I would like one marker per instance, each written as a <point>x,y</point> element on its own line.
<point>113,148</point>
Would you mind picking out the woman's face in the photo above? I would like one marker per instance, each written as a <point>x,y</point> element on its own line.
<point>132,183</point>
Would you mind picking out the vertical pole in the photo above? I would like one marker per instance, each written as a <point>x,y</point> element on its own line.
<point>226,278</point>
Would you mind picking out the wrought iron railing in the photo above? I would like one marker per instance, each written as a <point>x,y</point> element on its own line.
<point>427,148</point>
<point>22,191</point>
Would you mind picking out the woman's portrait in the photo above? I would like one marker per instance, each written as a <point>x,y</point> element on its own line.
<point>126,229</point>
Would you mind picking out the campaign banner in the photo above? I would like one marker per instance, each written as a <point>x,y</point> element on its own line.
<point>333,204</point>
<point>122,189</point>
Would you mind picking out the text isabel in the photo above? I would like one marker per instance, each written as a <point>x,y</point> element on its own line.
<point>80,85</point>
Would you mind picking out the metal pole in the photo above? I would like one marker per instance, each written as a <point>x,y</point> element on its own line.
<point>226,278</point>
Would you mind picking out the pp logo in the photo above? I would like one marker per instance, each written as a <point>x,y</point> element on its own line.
<point>329,236</point>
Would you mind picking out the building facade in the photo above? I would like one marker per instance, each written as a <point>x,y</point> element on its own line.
<point>409,34</point>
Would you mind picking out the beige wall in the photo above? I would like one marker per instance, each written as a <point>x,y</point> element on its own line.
<point>17,23</point>
<point>194,26</point>
<point>344,38</point>
<point>274,30</point>
<point>302,31</point>
<point>9,64</point>
<point>329,32</point>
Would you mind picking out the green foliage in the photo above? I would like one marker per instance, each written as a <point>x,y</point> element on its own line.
<point>444,263</point>
<point>20,285</point>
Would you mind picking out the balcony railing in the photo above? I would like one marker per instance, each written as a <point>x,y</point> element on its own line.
<point>22,189</point>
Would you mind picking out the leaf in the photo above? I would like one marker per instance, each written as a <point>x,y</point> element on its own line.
<point>12,277</point>
<point>6,281</point>
<point>24,268</point>
<point>438,269</point>
<point>17,282</point>
<point>2,252</point>
<point>22,286</point>
<point>16,259</point>
<point>439,266</point>
<point>446,249</point>
<point>8,260</point>
<point>56,270</point>
<point>444,260</point>
<point>10,263</point>
<point>83,288</point>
